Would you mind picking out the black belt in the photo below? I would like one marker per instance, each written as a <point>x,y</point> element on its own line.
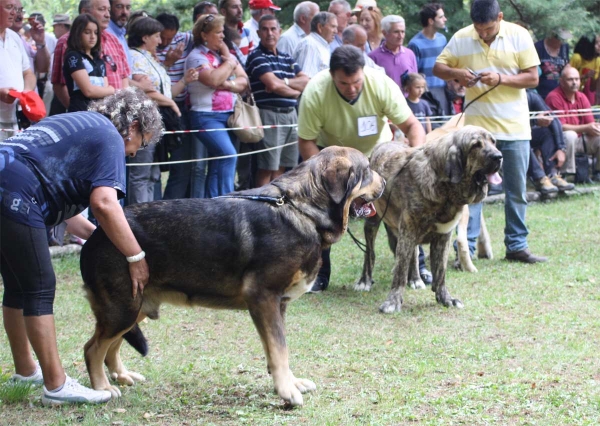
<point>284,110</point>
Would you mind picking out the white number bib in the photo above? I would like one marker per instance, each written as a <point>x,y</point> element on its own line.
<point>367,126</point>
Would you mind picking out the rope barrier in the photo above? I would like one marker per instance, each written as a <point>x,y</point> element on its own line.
<point>437,119</point>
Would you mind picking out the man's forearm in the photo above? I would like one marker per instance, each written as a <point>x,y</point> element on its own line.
<point>42,60</point>
<point>307,148</point>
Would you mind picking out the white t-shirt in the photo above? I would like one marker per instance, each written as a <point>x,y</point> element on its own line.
<point>13,62</point>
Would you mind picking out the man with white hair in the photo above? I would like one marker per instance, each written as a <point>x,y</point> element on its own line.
<point>342,11</point>
<point>313,54</point>
<point>391,55</point>
<point>356,35</point>
<point>303,14</point>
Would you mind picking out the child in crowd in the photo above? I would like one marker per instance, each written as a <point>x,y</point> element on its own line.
<point>414,86</point>
<point>85,72</point>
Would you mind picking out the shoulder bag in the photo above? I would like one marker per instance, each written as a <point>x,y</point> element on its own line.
<point>245,115</point>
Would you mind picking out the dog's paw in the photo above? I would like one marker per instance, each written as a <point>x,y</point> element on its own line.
<point>457,304</point>
<point>363,286</point>
<point>115,393</point>
<point>417,284</point>
<point>128,378</point>
<point>389,307</point>
<point>304,385</point>
<point>291,395</point>
<point>449,302</point>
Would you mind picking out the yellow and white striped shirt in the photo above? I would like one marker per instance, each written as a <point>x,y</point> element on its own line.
<point>503,111</point>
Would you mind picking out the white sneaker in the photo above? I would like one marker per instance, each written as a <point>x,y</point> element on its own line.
<point>73,392</point>
<point>35,379</point>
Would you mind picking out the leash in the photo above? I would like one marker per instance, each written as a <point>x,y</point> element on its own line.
<point>277,201</point>
<point>480,96</point>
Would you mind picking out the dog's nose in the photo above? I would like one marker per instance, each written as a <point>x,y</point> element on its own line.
<point>497,156</point>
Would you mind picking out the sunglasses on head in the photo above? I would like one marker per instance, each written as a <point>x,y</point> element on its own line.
<point>207,21</point>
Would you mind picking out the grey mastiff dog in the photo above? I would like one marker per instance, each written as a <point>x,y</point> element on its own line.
<point>423,201</point>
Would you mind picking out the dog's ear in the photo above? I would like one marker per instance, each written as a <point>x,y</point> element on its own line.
<point>338,179</point>
<point>454,165</point>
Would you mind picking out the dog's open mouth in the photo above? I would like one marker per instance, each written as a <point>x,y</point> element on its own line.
<point>492,178</point>
<point>362,208</point>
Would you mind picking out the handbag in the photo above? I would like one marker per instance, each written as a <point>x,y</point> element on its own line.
<point>582,165</point>
<point>246,114</point>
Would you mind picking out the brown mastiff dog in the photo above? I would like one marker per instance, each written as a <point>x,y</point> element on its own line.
<point>256,250</point>
<point>426,190</point>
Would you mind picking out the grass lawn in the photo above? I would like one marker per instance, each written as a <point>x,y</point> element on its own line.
<point>524,351</point>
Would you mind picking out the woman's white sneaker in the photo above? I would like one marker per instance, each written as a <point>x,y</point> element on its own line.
<point>35,379</point>
<point>73,392</point>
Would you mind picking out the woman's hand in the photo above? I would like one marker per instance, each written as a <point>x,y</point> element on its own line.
<point>190,76</point>
<point>139,273</point>
<point>224,51</point>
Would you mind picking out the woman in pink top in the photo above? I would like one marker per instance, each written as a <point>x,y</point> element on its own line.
<point>212,97</point>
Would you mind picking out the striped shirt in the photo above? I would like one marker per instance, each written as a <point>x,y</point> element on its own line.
<point>262,61</point>
<point>112,54</point>
<point>426,51</point>
<point>176,70</point>
<point>313,54</point>
<point>504,110</point>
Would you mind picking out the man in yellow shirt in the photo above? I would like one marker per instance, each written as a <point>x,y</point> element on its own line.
<point>349,105</point>
<point>497,60</point>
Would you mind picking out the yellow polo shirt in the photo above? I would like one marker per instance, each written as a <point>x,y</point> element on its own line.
<point>503,111</point>
<point>327,117</point>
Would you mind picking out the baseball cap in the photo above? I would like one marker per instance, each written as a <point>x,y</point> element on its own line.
<point>61,18</point>
<point>360,4</point>
<point>33,106</point>
<point>262,4</point>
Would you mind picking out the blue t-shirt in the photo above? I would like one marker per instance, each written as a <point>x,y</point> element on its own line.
<point>551,67</point>
<point>261,61</point>
<point>420,110</point>
<point>48,172</point>
<point>426,51</point>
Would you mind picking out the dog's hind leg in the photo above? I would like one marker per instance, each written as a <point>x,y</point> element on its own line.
<point>484,243</point>
<point>405,251</point>
<point>464,254</point>
<point>365,282</point>
<point>116,369</point>
<point>440,248</point>
<point>266,313</point>
<point>95,351</point>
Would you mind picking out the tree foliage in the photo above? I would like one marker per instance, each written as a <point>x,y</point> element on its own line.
<point>581,17</point>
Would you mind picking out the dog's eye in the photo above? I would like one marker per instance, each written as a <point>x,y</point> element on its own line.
<point>477,144</point>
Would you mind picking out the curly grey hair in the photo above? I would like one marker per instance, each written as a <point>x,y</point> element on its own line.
<point>128,105</point>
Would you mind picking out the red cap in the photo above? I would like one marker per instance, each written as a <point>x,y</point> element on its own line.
<point>33,106</point>
<point>262,4</point>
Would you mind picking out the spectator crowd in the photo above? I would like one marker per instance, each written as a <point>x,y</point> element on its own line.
<point>196,78</point>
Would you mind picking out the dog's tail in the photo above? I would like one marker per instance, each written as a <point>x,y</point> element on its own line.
<point>136,338</point>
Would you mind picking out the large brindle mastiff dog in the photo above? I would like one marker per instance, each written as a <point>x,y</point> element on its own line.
<point>426,190</point>
<point>256,250</point>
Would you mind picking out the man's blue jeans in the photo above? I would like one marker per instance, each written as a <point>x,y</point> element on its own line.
<point>514,166</point>
<point>221,173</point>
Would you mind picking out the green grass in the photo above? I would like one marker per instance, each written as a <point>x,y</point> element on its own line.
<point>524,351</point>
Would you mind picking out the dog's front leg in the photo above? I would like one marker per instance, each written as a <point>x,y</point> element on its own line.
<point>440,247</point>
<point>365,282</point>
<point>414,278</point>
<point>267,314</point>
<point>405,249</point>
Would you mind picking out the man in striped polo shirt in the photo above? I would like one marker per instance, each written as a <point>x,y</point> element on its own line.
<point>505,61</point>
<point>277,82</point>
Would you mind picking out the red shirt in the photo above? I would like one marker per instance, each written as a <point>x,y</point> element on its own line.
<point>557,100</point>
<point>112,54</point>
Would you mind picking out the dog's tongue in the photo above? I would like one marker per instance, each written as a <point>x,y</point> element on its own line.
<point>366,210</point>
<point>494,179</point>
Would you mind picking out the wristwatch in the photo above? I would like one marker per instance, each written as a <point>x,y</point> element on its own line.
<point>286,81</point>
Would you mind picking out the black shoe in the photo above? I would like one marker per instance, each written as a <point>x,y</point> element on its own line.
<point>525,256</point>
<point>321,284</point>
<point>426,276</point>
<point>495,189</point>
